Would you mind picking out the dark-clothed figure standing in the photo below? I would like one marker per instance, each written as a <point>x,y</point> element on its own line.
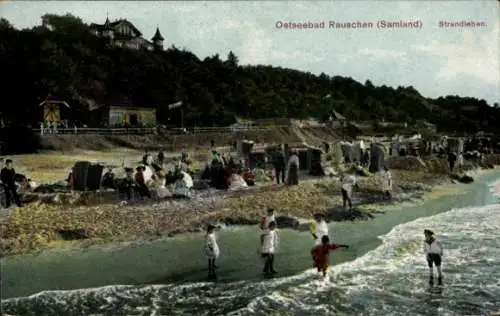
<point>161,157</point>
<point>128,183</point>
<point>279,166</point>
<point>108,180</point>
<point>140,183</point>
<point>293,169</point>
<point>452,158</point>
<point>7,176</point>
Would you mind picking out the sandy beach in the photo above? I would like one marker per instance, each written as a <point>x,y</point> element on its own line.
<point>38,226</point>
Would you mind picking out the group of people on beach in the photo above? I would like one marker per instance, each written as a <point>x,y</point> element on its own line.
<point>269,240</point>
<point>269,244</point>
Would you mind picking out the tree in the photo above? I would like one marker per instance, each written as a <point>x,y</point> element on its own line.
<point>232,60</point>
<point>64,57</point>
<point>5,24</point>
<point>369,84</point>
<point>68,24</point>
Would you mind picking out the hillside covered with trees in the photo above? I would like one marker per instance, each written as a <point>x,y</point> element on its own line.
<point>63,58</point>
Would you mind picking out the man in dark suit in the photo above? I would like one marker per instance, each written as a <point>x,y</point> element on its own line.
<point>7,176</point>
<point>279,166</point>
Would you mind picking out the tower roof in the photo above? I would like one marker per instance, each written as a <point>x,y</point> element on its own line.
<point>107,25</point>
<point>157,36</point>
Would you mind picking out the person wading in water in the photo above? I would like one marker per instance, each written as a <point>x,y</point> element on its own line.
<point>319,228</point>
<point>434,253</point>
<point>212,250</point>
<point>320,254</point>
<point>269,247</point>
<point>264,224</point>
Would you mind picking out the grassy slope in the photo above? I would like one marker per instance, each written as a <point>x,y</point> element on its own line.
<point>191,141</point>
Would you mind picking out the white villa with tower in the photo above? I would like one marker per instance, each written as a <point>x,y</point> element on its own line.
<point>122,33</point>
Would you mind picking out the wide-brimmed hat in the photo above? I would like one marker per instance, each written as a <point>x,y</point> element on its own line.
<point>319,216</point>
<point>211,227</point>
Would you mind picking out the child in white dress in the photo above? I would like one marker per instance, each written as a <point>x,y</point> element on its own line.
<point>212,250</point>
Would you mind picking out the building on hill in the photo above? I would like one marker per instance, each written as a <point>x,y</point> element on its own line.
<point>120,111</point>
<point>122,33</point>
<point>54,110</point>
<point>158,40</point>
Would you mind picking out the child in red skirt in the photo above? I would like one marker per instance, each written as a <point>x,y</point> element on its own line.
<point>320,254</point>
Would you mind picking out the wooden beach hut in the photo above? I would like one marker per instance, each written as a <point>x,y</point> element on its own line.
<point>53,109</point>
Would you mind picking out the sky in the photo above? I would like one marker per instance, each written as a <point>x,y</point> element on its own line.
<point>436,61</point>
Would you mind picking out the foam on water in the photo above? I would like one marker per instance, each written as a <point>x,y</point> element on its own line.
<point>495,188</point>
<point>389,280</point>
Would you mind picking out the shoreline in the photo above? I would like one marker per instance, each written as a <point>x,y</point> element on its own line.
<point>177,260</point>
<point>368,204</point>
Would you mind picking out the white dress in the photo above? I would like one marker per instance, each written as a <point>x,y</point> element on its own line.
<point>319,229</point>
<point>386,181</point>
<point>265,223</point>
<point>348,183</point>
<point>270,242</point>
<point>434,248</point>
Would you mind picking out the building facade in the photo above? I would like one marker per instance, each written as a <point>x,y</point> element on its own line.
<point>122,33</point>
<point>119,111</point>
<point>132,117</point>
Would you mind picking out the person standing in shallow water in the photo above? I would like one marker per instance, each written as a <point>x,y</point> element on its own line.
<point>269,247</point>
<point>7,176</point>
<point>320,254</point>
<point>434,253</point>
<point>212,250</point>
<point>319,228</point>
<point>264,224</point>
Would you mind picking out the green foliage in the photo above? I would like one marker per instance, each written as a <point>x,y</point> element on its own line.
<point>62,57</point>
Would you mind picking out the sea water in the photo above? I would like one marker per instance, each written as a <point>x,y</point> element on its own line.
<point>391,279</point>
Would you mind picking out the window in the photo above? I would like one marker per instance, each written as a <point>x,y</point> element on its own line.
<point>116,118</point>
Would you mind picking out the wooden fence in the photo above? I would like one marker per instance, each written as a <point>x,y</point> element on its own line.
<point>150,131</point>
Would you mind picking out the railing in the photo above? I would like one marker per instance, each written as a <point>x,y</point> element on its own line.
<point>151,130</point>
<point>95,131</point>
